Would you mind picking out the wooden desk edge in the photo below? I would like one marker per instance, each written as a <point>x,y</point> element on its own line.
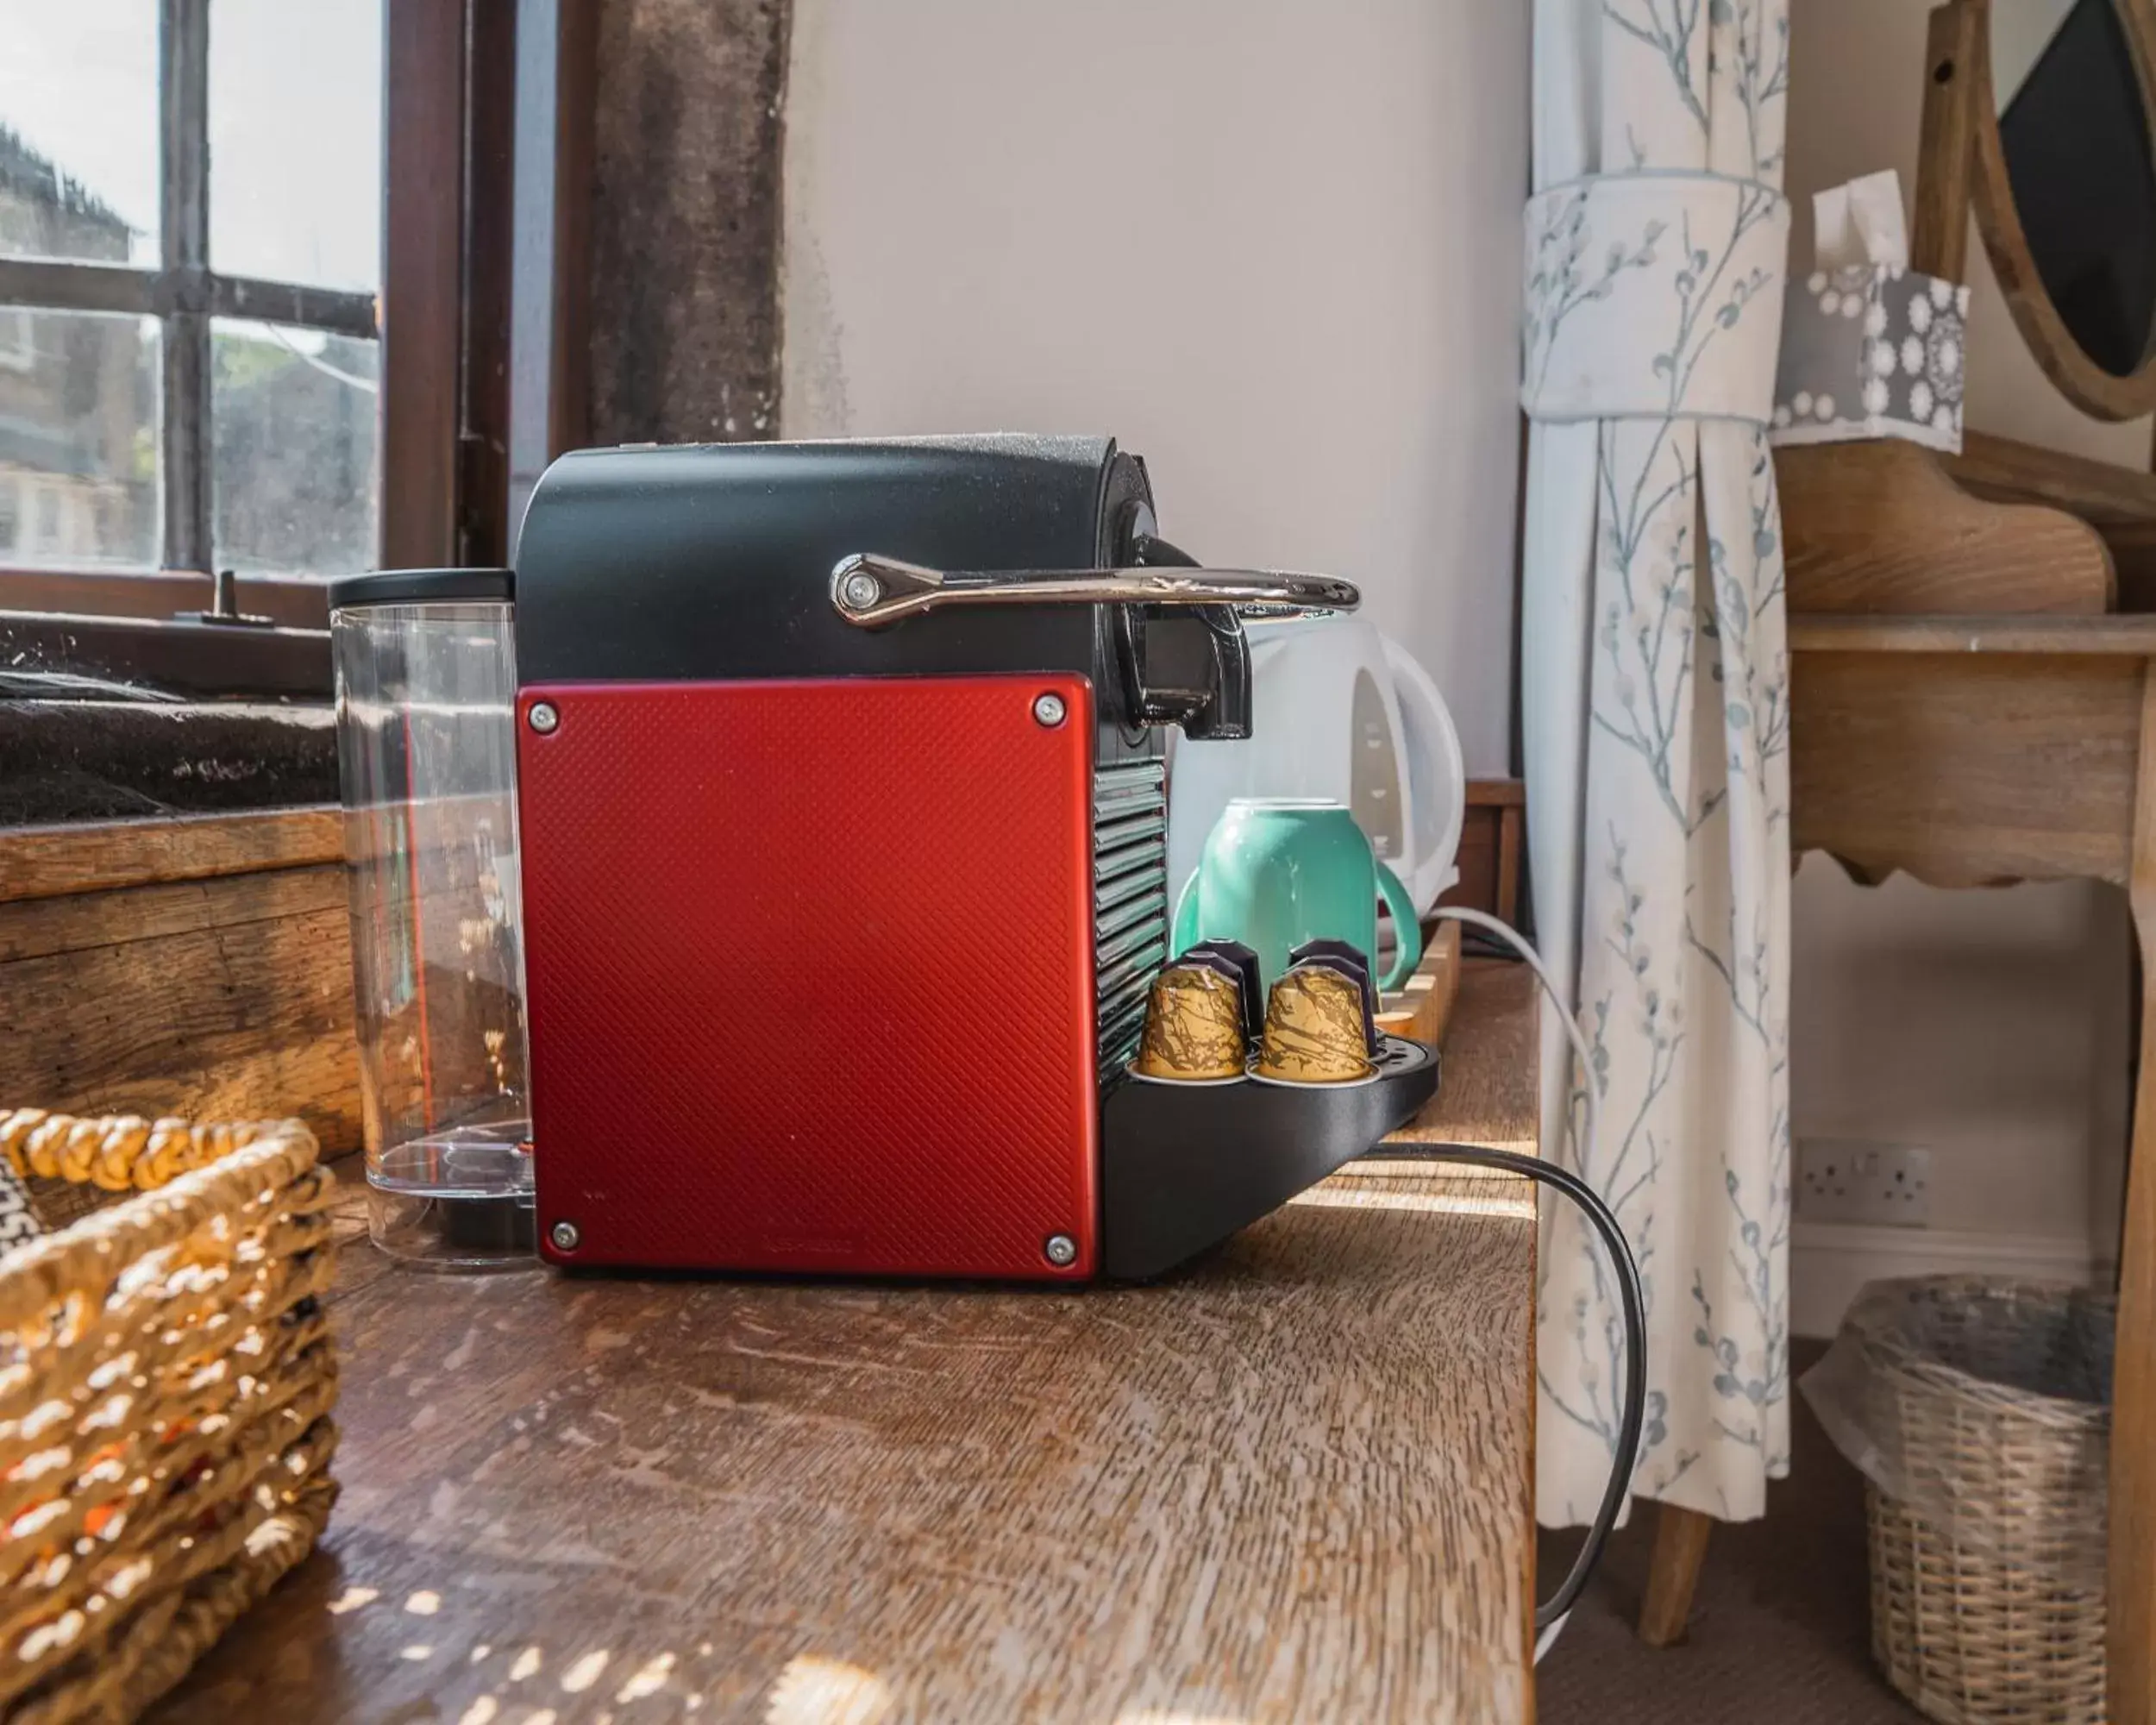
<point>2111,637</point>
<point>1490,1094</point>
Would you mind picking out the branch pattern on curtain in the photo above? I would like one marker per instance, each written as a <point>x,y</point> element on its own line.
<point>1656,693</point>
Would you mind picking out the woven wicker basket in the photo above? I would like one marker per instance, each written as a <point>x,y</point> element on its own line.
<point>167,1378</point>
<point>1987,1596</point>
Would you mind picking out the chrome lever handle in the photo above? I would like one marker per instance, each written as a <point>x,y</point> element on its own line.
<point>870,591</point>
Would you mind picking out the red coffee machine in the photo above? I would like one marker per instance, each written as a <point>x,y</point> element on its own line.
<point>843,821</point>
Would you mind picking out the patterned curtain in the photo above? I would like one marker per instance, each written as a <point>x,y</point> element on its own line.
<point>1655,686</point>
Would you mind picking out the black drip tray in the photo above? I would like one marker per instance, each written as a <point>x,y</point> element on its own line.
<point>1183,1166</point>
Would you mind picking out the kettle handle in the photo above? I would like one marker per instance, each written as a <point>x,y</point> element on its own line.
<point>1431,738</point>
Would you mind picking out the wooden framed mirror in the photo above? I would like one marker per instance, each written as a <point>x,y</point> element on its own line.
<point>2042,114</point>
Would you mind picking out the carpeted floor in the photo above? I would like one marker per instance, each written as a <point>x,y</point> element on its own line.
<point>1780,1631</point>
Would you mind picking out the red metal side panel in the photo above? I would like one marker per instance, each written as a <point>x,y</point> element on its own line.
<point>810,971</point>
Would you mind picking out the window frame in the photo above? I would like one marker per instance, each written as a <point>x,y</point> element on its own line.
<point>183,294</point>
<point>449,70</point>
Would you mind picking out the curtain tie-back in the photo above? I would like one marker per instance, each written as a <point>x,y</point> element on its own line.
<point>1653,295</point>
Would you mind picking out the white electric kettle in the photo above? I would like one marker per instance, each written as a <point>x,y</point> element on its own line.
<point>1338,710</point>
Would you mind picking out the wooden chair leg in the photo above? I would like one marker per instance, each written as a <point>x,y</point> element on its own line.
<point>1680,1548</point>
<point>2130,1631</point>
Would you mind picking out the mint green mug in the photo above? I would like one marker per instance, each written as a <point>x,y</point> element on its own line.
<point>1277,871</point>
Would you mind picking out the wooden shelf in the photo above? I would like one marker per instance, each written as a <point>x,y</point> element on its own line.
<point>2004,471</point>
<point>2106,636</point>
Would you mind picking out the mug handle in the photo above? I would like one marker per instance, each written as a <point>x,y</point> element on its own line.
<point>1406,931</point>
<point>1183,932</point>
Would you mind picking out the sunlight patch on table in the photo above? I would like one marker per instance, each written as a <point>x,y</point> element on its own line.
<point>819,1691</point>
<point>1520,1209</point>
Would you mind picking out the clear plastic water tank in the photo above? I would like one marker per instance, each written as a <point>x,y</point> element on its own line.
<point>426,677</point>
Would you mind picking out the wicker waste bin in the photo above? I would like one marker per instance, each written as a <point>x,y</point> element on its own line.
<point>166,1382</point>
<point>1979,1412</point>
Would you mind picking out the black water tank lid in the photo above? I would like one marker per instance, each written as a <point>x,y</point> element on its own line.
<point>423,586</point>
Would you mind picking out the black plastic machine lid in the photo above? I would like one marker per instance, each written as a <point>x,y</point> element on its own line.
<point>423,586</point>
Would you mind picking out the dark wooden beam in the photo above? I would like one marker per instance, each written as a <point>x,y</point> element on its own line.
<point>422,280</point>
<point>490,206</point>
<point>686,216</point>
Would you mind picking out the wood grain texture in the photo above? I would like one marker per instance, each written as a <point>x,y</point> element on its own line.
<point>223,998</point>
<point>44,862</point>
<point>423,260</point>
<point>2080,379</point>
<point>1290,1483</point>
<point>1938,229</point>
<point>1496,793</point>
<point>1965,769</point>
<point>1969,751</point>
<point>1512,839</point>
<point>1680,1548</point>
<point>1491,854</point>
<point>1878,527</point>
<point>40,928</point>
<point>2133,549</point>
<point>2009,472</point>
<point>1489,1093</point>
<point>2073,638</point>
<point>490,252</point>
<point>1422,1009</point>
<point>2130,1604</point>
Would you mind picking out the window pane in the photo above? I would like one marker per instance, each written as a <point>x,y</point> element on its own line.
<point>292,412</point>
<point>296,140</point>
<point>77,439</point>
<point>79,129</point>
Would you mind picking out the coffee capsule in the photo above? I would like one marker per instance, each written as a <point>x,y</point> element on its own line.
<point>1193,1025</point>
<point>1314,1030</point>
<point>1348,960</point>
<point>1243,961</point>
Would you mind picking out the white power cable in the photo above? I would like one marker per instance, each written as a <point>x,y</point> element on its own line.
<point>1506,932</point>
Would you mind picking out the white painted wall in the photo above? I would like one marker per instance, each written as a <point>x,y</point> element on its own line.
<point>1271,245</point>
<point>1989,1026</point>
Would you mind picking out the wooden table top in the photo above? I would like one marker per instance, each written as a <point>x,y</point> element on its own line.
<point>1292,1482</point>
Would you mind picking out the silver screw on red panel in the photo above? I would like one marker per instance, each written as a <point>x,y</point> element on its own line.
<point>564,1236</point>
<point>1049,710</point>
<point>1061,1250</point>
<point>543,717</point>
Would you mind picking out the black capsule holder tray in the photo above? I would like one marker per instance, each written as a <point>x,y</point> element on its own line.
<point>1183,1166</point>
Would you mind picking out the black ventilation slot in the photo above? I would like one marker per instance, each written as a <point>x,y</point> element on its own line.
<point>1129,874</point>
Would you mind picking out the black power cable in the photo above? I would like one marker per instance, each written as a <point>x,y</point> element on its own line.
<point>1629,1298</point>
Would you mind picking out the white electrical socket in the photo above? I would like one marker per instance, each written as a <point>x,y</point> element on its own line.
<point>1859,1180</point>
